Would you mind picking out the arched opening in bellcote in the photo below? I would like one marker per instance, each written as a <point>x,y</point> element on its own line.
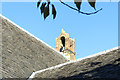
<point>63,44</point>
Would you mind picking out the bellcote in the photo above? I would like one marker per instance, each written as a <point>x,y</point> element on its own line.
<point>66,45</point>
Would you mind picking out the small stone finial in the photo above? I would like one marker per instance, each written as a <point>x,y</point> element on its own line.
<point>63,31</point>
<point>73,39</point>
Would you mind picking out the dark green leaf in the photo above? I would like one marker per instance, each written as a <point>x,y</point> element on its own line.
<point>38,3</point>
<point>46,11</point>
<point>42,7</point>
<point>53,11</point>
<point>78,3</point>
<point>92,3</point>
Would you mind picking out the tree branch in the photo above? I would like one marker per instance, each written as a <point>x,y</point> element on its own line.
<point>79,10</point>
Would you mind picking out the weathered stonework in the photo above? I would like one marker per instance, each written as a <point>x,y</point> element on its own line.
<point>66,45</point>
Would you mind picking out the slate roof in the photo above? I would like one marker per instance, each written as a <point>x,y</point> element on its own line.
<point>101,66</point>
<point>23,53</point>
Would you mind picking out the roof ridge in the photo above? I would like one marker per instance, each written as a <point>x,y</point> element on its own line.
<point>60,65</point>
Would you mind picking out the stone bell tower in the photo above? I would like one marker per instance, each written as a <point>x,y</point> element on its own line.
<point>66,45</point>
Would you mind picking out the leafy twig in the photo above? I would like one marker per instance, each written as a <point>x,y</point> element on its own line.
<point>79,10</point>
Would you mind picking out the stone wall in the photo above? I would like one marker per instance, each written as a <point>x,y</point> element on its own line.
<point>22,53</point>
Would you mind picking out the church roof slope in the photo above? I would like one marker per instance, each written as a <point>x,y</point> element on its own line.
<point>104,65</point>
<point>23,53</point>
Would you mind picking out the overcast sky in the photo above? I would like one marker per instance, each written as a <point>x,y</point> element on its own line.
<point>93,34</point>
